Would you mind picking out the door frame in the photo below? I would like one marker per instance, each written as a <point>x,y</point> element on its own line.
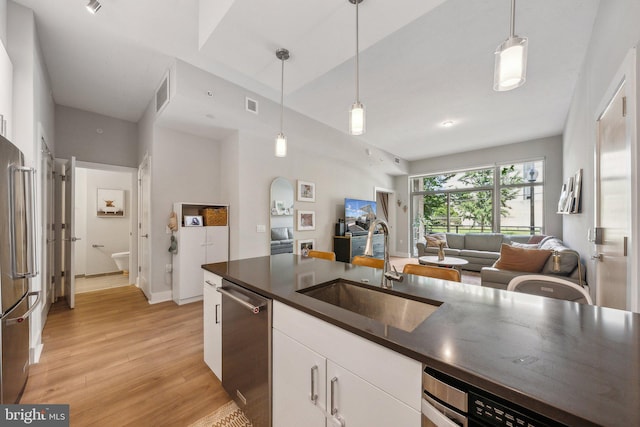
<point>146,162</point>
<point>626,74</point>
<point>133,203</point>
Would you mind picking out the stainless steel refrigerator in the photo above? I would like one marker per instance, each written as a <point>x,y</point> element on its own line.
<point>17,265</point>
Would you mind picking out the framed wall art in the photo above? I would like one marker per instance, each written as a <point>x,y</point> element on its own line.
<point>110,203</point>
<point>306,220</point>
<point>306,191</point>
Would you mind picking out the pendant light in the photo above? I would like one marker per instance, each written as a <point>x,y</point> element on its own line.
<point>93,6</point>
<point>356,114</point>
<point>281,140</point>
<point>511,59</point>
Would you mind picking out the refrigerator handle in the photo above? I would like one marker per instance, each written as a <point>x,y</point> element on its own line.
<point>26,315</point>
<point>30,202</point>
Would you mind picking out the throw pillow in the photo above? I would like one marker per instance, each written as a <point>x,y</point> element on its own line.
<point>434,239</point>
<point>524,245</point>
<point>536,238</point>
<point>520,259</point>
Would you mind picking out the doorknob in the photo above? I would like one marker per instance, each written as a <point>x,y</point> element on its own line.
<point>598,257</point>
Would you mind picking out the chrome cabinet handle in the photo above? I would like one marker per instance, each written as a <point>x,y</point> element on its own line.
<point>216,312</point>
<point>255,309</point>
<point>97,246</point>
<point>211,284</point>
<point>72,239</point>
<point>146,236</point>
<point>314,395</point>
<point>28,313</point>
<point>598,257</point>
<point>334,409</point>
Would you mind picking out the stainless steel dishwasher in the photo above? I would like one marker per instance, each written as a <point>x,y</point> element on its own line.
<point>246,351</point>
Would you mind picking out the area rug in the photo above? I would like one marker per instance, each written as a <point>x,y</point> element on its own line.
<point>228,415</point>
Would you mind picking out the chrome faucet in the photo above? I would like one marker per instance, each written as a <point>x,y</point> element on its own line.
<point>388,277</point>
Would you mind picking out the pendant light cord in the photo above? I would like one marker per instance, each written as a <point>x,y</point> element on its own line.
<point>281,95</point>
<point>357,56</point>
<point>512,27</point>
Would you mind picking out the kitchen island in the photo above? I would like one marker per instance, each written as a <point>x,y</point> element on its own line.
<point>574,364</point>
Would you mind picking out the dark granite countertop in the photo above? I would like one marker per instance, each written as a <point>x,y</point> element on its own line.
<point>574,363</point>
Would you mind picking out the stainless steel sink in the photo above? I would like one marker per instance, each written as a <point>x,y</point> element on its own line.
<point>399,312</point>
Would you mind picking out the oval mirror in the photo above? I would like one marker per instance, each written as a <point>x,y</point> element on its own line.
<point>281,214</point>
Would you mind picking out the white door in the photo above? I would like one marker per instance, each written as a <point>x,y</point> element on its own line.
<point>48,233</point>
<point>299,384</point>
<point>613,204</point>
<point>69,237</point>
<point>144,215</point>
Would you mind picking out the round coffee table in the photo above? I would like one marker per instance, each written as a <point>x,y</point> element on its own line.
<point>448,261</point>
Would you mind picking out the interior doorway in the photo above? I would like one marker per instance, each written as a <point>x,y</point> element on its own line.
<point>616,195</point>
<point>144,222</point>
<point>385,209</point>
<point>100,211</point>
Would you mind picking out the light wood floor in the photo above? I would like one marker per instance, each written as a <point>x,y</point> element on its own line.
<point>119,361</point>
<point>90,284</point>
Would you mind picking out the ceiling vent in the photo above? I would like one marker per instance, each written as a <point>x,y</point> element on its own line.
<point>162,95</point>
<point>251,105</point>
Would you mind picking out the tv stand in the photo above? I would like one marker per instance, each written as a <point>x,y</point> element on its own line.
<point>346,247</point>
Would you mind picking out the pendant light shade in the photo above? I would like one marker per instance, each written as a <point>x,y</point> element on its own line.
<point>357,113</point>
<point>281,140</point>
<point>356,119</point>
<point>93,6</point>
<point>511,59</point>
<point>281,145</point>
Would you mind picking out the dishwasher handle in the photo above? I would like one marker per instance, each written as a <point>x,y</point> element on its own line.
<point>237,297</point>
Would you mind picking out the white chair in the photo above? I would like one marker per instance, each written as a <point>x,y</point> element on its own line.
<point>552,287</point>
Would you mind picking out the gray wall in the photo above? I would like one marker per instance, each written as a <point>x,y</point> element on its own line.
<point>77,135</point>
<point>548,148</point>
<point>616,31</point>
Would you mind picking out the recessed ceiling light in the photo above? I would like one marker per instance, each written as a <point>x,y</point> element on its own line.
<point>93,6</point>
<point>448,123</point>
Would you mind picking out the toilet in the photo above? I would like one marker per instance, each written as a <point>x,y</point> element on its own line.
<point>122,261</point>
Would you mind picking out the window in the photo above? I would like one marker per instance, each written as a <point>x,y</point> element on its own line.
<point>506,198</point>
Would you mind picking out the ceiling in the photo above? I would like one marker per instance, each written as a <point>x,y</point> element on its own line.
<point>428,62</point>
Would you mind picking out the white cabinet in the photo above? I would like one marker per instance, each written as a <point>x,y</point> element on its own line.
<point>212,328</point>
<point>298,374</point>
<point>6,93</point>
<point>196,246</point>
<point>362,383</point>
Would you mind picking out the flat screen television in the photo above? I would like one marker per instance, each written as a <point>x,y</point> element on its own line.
<point>358,214</point>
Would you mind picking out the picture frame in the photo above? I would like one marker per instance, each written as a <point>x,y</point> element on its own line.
<point>193,220</point>
<point>306,191</point>
<point>110,203</point>
<point>280,207</point>
<point>306,220</point>
<point>304,246</point>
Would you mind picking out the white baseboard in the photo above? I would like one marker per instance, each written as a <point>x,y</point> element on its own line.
<point>36,352</point>
<point>158,297</point>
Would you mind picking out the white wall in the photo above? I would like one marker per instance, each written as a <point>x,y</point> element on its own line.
<point>33,115</point>
<point>78,133</point>
<point>185,168</point>
<point>616,31</point>
<point>112,233</point>
<point>3,21</point>
<point>548,148</point>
